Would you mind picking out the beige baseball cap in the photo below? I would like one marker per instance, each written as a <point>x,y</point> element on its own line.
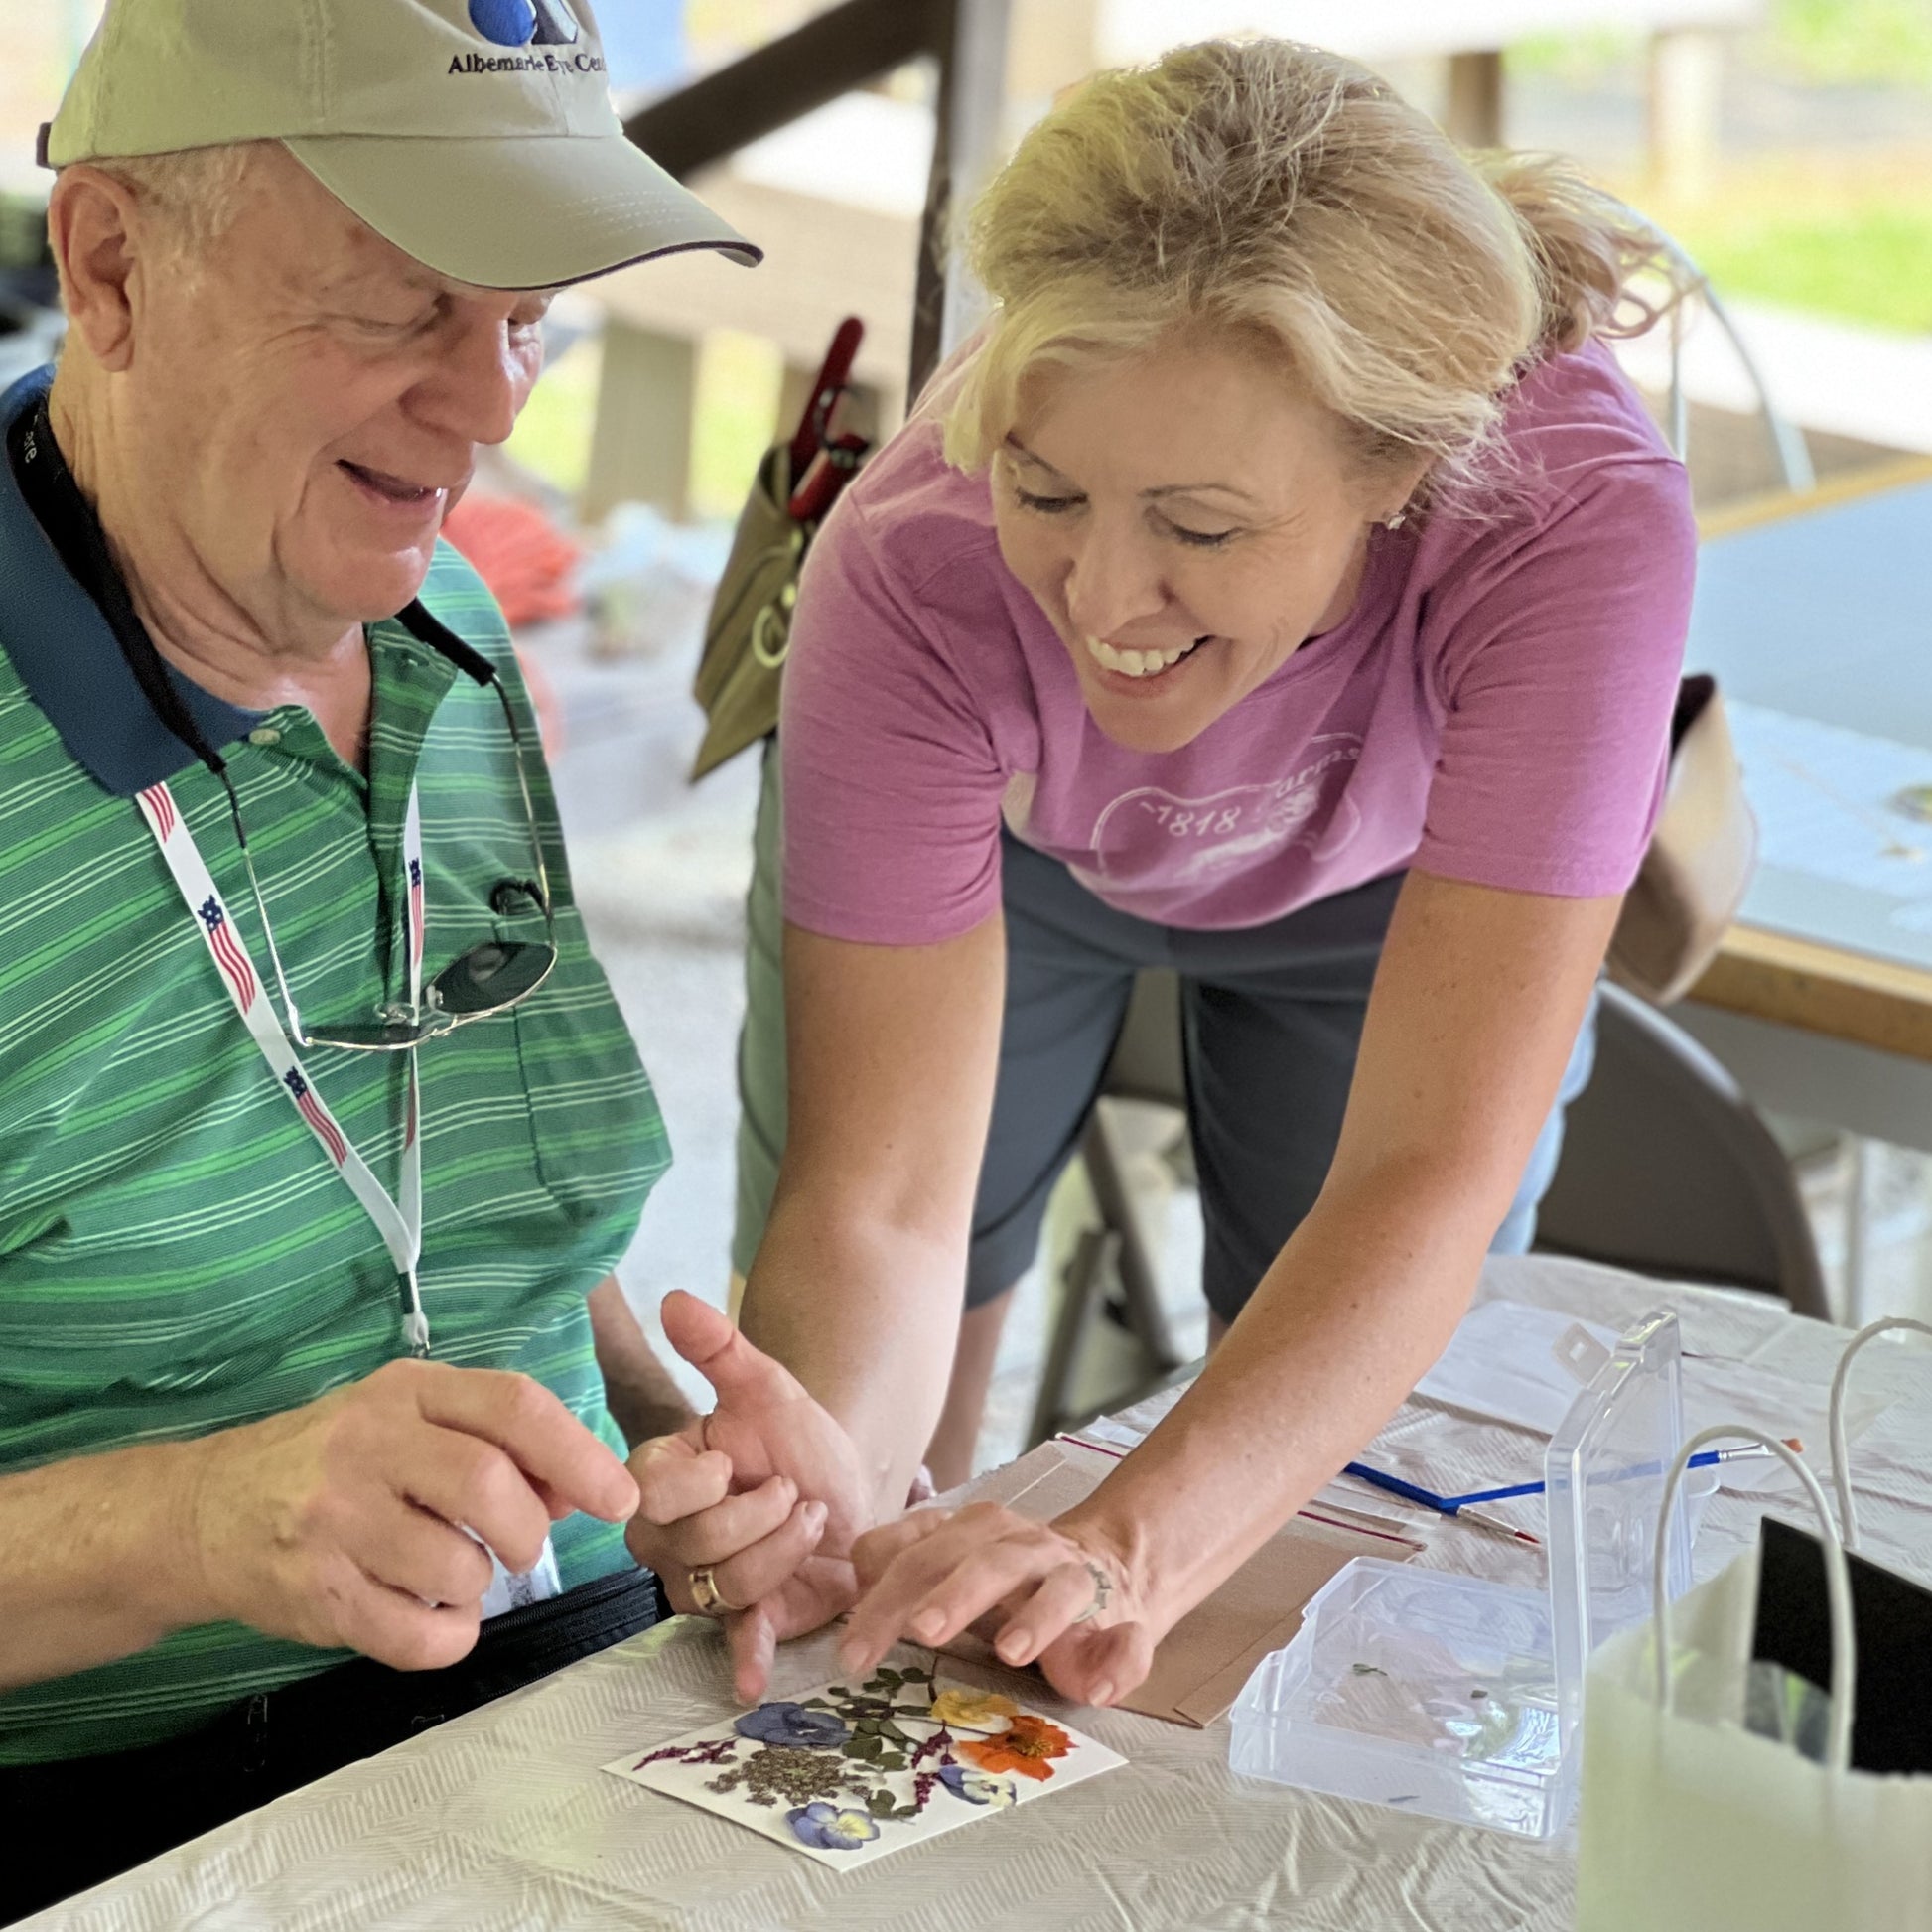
<point>476,135</point>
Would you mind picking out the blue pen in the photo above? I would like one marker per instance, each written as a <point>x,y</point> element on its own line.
<point>1456,1506</point>
<point>1708,1459</point>
<point>1462,1505</point>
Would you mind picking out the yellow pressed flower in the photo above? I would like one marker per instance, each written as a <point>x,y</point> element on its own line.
<point>976,1709</point>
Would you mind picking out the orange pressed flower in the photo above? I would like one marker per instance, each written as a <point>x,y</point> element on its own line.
<point>1022,1747</point>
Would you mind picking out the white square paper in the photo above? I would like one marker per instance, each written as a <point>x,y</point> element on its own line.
<point>856,1771</point>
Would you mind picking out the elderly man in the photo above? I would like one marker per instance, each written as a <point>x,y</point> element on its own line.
<point>301,1272</point>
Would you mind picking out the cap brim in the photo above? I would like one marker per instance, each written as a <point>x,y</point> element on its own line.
<point>528,212</point>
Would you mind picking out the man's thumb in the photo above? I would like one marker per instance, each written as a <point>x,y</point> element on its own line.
<point>712,1344</point>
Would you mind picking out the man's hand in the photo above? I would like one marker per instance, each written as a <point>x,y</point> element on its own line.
<point>765,1490</point>
<point>337,1522</point>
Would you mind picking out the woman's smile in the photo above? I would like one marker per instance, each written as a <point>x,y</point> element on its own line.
<point>1140,663</point>
<point>1142,671</point>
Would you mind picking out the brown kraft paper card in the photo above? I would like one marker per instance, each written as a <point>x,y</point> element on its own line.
<point>1201,1664</point>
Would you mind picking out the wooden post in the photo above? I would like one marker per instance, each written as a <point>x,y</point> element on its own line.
<point>971,104</point>
<point>1686,99</point>
<point>640,449</point>
<point>1475,98</point>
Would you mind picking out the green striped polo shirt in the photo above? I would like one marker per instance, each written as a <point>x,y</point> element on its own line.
<point>177,1253</point>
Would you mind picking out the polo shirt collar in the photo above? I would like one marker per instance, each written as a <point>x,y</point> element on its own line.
<point>66,656</point>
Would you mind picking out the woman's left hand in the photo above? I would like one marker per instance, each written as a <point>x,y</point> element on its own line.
<point>1057,1595</point>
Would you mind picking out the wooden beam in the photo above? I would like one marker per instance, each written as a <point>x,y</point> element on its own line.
<point>1868,1001</point>
<point>1475,115</point>
<point>640,443</point>
<point>1780,505</point>
<point>1686,99</point>
<point>786,78</point>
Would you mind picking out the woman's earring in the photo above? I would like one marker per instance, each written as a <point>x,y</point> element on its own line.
<point>1396,521</point>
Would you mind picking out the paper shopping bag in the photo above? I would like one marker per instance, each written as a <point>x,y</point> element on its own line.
<point>1693,1824</point>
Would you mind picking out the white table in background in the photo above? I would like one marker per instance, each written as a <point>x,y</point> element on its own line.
<point>502,1818</point>
<point>1814,612</point>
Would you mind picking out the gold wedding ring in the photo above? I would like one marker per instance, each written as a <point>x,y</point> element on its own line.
<point>707,1599</point>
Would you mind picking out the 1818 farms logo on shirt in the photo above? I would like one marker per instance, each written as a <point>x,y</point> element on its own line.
<point>1153,836</point>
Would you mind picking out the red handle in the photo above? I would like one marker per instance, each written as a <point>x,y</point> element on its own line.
<point>829,471</point>
<point>832,378</point>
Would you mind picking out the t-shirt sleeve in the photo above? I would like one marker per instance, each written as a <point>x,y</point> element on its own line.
<point>1558,657</point>
<point>890,779</point>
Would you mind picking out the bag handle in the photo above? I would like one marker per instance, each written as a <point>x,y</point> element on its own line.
<point>1838,1582</point>
<point>1848,1510</point>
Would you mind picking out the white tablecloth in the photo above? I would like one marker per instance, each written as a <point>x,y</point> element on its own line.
<point>502,1818</point>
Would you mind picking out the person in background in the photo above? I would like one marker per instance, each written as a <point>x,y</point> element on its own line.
<point>320,1129</point>
<point>1288,588</point>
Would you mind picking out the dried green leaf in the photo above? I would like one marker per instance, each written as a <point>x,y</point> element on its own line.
<point>882,1804</point>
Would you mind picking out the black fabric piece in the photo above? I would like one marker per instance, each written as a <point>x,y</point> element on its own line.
<point>440,637</point>
<point>71,527</point>
<point>77,1822</point>
<point>1891,1621</point>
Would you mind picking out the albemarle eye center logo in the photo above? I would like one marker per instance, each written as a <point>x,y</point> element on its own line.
<point>517,23</point>
<point>526,25</point>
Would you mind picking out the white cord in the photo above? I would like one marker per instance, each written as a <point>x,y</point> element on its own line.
<point>1847,1511</point>
<point>1838,1584</point>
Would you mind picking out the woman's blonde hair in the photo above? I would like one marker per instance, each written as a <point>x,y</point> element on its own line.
<point>1291,198</point>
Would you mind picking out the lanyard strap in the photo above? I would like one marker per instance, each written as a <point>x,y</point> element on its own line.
<point>401,1228</point>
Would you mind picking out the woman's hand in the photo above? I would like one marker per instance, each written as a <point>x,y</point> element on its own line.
<point>1052,1592</point>
<point>764,1491</point>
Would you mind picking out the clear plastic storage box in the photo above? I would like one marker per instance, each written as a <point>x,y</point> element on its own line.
<point>1459,1697</point>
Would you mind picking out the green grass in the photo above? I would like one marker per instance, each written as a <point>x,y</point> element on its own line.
<point>1883,43</point>
<point>1838,234</point>
<point>553,434</point>
<point>1819,42</point>
<point>1870,264</point>
<point>733,413</point>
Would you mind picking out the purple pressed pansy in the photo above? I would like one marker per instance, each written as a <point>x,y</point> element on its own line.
<point>827,1828</point>
<point>976,1787</point>
<point>793,1724</point>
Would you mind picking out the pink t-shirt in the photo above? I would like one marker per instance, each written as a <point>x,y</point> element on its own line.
<point>1495,707</point>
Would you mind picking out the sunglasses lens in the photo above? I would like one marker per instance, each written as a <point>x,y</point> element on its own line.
<point>489,975</point>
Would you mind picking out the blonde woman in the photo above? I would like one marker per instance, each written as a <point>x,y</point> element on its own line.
<point>1287,587</point>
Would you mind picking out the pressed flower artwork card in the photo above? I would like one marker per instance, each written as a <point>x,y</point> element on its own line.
<point>856,1771</point>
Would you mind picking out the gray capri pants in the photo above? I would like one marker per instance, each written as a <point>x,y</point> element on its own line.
<point>1271,1019</point>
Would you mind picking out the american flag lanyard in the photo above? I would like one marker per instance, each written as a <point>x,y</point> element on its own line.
<point>401,1228</point>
